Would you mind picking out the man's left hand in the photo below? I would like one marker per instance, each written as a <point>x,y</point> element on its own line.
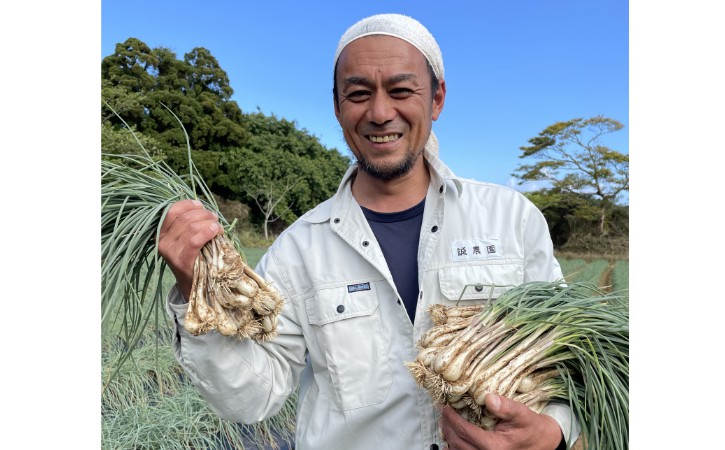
<point>518,428</point>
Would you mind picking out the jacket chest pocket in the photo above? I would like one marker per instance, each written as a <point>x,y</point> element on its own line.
<point>479,282</point>
<point>347,321</point>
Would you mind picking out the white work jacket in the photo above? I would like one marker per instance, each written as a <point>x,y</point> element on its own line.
<point>344,334</point>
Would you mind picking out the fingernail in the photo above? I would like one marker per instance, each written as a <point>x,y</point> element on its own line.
<point>196,202</point>
<point>495,401</point>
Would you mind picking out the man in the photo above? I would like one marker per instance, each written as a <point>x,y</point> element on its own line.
<point>358,271</point>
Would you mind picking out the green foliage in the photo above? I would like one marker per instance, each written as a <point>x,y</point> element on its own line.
<point>587,246</point>
<point>151,404</point>
<point>147,401</point>
<point>620,276</point>
<point>208,163</point>
<point>574,222</point>
<point>269,164</point>
<point>137,80</point>
<point>571,266</point>
<point>564,212</point>
<point>575,161</point>
<point>285,171</point>
<point>254,254</point>
<point>136,192</point>
<point>125,102</point>
<point>570,156</point>
<point>206,74</point>
<point>115,141</point>
<point>609,274</point>
<point>591,272</point>
<point>584,333</point>
<point>131,67</point>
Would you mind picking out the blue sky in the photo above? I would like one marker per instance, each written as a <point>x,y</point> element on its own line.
<point>512,68</point>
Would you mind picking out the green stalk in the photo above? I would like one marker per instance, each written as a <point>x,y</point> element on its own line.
<point>576,330</point>
<point>591,350</point>
<point>136,193</point>
<point>147,400</point>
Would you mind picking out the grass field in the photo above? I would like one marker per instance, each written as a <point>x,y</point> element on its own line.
<point>253,254</point>
<point>609,275</point>
<point>153,405</point>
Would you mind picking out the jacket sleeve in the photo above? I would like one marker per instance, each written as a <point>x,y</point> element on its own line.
<point>539,261</point>
<point>242,380</point>
<point>562,413</point>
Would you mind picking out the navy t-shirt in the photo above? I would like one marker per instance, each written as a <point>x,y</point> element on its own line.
<point>398,234</point>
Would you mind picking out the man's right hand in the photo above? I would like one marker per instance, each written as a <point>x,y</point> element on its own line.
<point>185,230</point>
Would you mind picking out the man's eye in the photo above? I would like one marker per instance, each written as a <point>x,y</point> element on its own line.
<point>400,93</point>
<point>358,96</point>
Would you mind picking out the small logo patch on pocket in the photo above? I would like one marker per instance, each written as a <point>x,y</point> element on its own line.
<point>358,287</point>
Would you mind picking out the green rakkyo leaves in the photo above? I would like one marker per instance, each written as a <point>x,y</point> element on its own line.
<point>136,192</point>
<point>564,342</point>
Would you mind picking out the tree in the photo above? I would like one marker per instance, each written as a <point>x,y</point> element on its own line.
<point>282,170</point>
<point>571,157</point>
<point>127,76</point>
<point>133,66</point>
<point>284,161</point>
<point>115,141</point>
<point>267,163</point>
<point>206,74</point>
<point>269,197</point>
<point>138,81</point>
<point>567,214</point>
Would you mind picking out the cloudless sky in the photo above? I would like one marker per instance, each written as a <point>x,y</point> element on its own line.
<point>512,67</point>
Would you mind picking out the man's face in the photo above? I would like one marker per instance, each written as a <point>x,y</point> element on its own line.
<point>385,105</point>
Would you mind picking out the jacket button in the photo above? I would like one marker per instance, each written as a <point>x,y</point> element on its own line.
<point>365,243</point>
<point>434,447</point>
<point>434,229</point>
<point>340,308</point>
<point>441,191</point>
<point>478,288</point>
<point>399,301</point>
<point>337,220</point>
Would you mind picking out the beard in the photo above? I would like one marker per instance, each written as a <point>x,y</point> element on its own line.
<point>389,172</point>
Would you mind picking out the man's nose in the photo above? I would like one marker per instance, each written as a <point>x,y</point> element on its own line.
<point>381,109</point>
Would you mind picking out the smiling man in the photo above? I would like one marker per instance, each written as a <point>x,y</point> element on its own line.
<point>360,270</point>
<point>385,105</point>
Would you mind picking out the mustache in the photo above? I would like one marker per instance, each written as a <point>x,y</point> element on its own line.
<point>382,129</point>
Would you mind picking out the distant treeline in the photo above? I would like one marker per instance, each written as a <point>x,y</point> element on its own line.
<point>248,157</point>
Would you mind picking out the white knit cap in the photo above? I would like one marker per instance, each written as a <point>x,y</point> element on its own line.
<point>400,26</point>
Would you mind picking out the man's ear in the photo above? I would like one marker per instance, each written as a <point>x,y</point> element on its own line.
<point>439,99</point>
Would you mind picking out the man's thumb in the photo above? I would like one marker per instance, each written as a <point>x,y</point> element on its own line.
<point>501,407</point>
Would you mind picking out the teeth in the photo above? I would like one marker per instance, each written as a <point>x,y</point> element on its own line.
<point>381,139</point>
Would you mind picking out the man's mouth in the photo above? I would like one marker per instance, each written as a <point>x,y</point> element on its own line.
<point>383,139</point>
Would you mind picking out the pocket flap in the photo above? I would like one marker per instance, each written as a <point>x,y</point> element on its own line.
<point>342,302</point>
<point>479,282</point>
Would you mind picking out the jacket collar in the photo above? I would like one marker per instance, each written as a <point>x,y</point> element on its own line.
<point>340,204</point>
